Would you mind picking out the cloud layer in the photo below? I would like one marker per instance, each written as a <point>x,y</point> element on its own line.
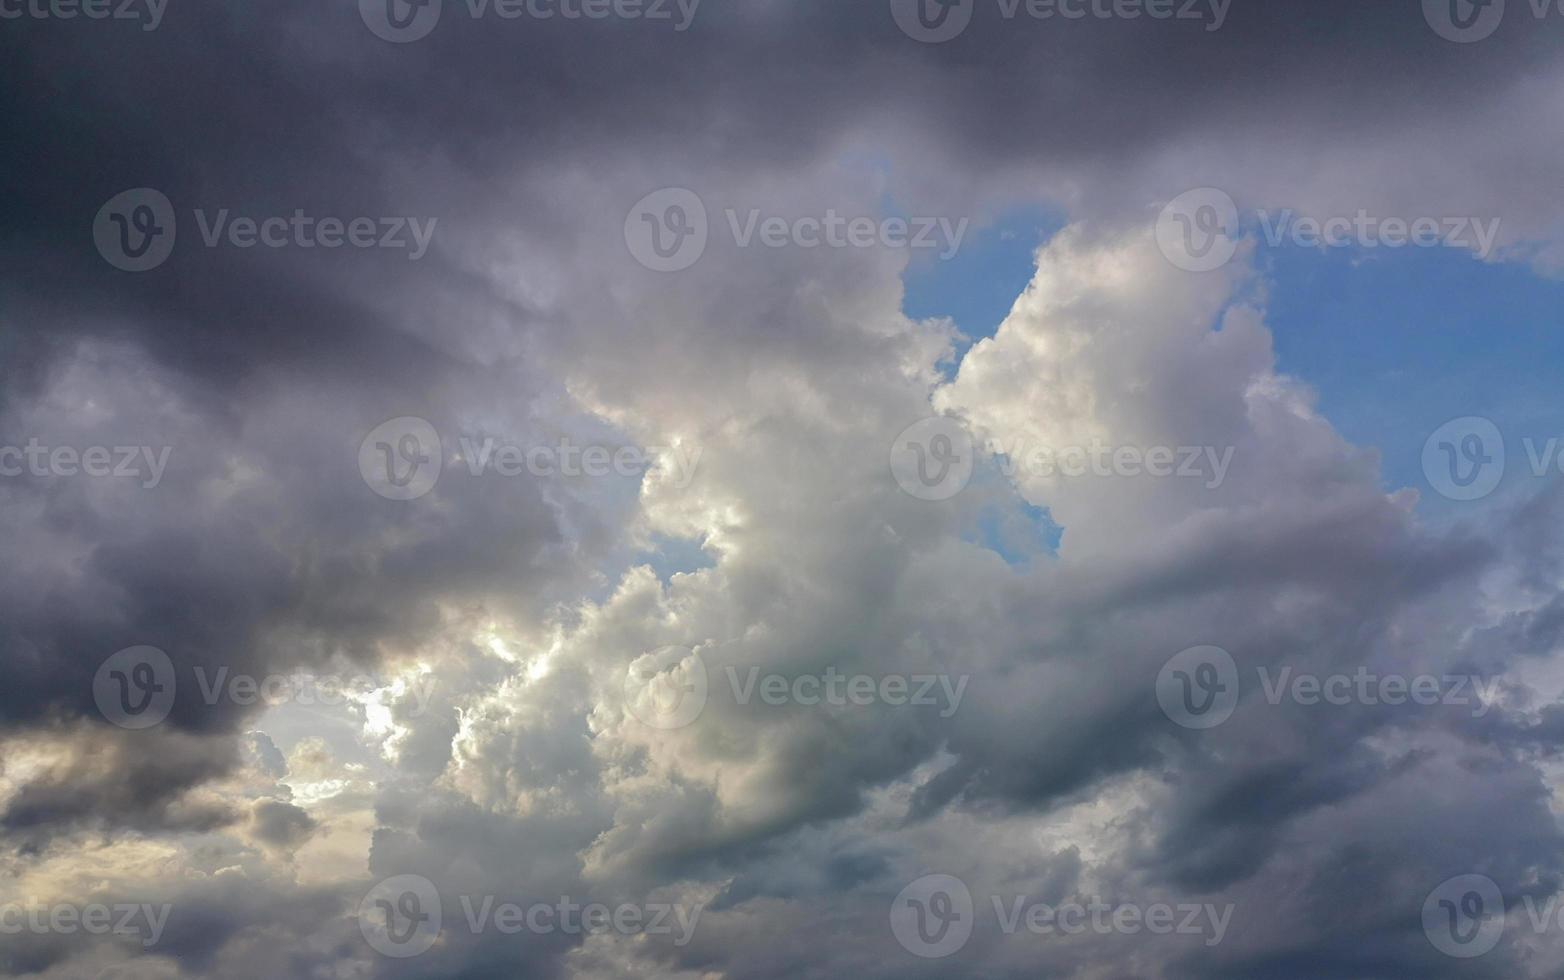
<point>478,687</point>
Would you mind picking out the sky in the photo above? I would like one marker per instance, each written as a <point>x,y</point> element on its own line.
<point>607,489</point>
